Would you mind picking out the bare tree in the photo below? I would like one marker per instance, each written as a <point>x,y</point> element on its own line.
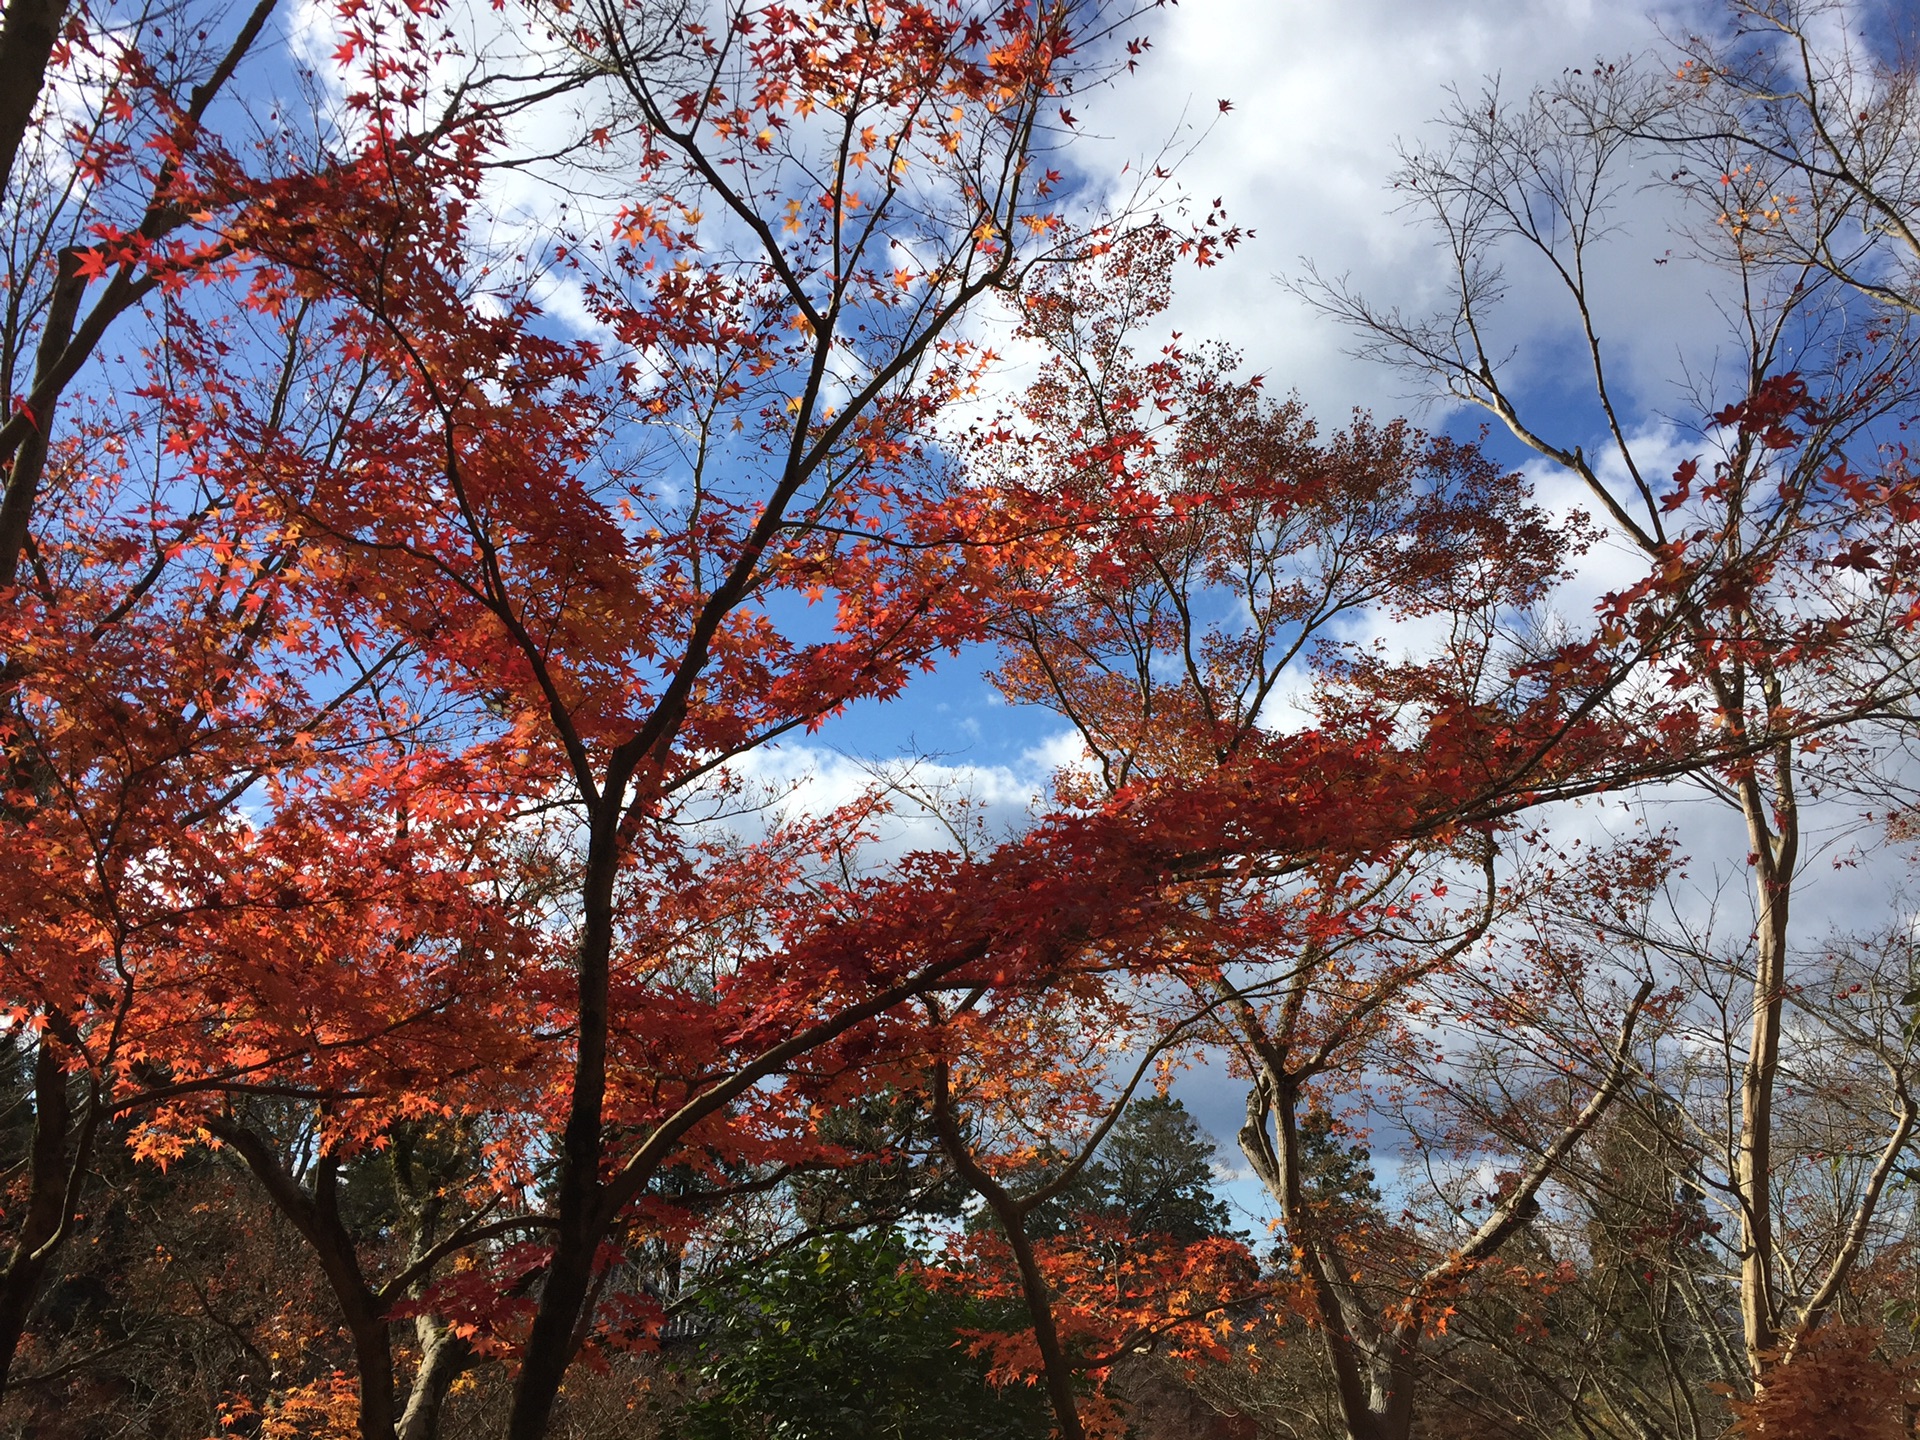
<point>1819,136</point>
<point>1779,533</point>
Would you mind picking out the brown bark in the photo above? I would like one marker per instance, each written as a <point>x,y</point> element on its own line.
<point>1012,1214</point>
<point>550,1343</point>
<point>52,1173</point>
<point>27,38</point>
<point>315,1214</point>
<point>1354,1346</point>
<point>30,458</point>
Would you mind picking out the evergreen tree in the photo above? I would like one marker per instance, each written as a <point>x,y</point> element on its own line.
<point>841,1340</point>
<point>1156,1173</point>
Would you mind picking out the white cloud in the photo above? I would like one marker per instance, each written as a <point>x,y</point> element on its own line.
<point>1324,92</point>
<point>929,804</point>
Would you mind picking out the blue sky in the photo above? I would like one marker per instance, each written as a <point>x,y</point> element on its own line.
<point>1324,96</point>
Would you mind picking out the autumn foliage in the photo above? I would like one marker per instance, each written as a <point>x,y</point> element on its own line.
<point>408,969</point>
<point>1836,1383</point>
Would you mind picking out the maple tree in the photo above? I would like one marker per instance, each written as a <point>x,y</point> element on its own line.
<point>1238,545</point>
<point>1097,1280</point>
<point>125,868</point>
<point>609,638</point>
<point>192,735</point>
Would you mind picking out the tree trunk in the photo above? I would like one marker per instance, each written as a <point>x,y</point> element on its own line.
<point>1370,1400</point>
<point>49,1199</point>
<point>1039,1300</point>
<point>1360,1349</point>
<point>316,1214</point>
<point>550,1343</point>
<point>30,458</point>
<point>1774,839</point>
<point>27,38</point>
<point>443,1356</point>
<point>1012,1215</point>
